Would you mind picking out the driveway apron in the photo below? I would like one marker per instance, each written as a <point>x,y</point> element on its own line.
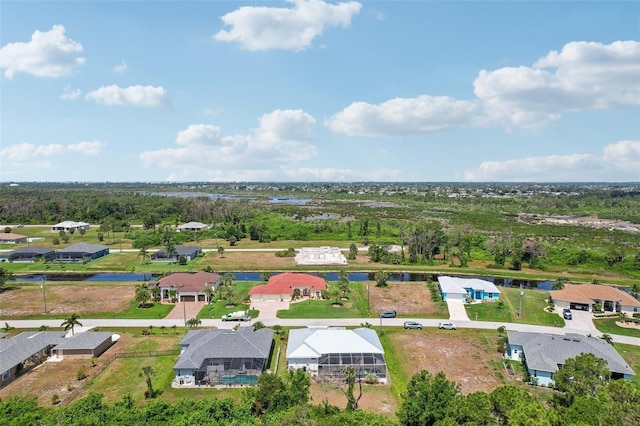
<point>457,311</point>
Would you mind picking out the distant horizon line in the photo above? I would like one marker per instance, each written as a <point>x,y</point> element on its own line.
<point>4,183</point>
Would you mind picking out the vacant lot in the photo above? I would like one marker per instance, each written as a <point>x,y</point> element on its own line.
<point>375,398</point>
<point>409,299</point>
<point>66,298</point>
<point>468,357</point>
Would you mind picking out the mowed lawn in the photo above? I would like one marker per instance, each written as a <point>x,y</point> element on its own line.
<point>533,312</point>
<point>609,326</point>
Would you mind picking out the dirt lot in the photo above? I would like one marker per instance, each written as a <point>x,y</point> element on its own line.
<point>375,398</point>
<point>66,298</point>
<point>464,359</point>
<point>406,298</point>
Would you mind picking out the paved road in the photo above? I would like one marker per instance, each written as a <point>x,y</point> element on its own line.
<point>385,322</point>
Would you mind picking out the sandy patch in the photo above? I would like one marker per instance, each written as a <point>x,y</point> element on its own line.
<point>405,298</point>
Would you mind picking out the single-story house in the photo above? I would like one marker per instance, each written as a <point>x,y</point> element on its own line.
<point>11,238</point>
<point>586,296</point>
<point>461,288</point>
<point>188,252</point>
<point>68,225</point>
<point>25,351</point>
<point>320,256</point>
<point>191,226</point>
<point>81,252</point>
<point>84,345</point>
<point>282,287</point>
<point>29,254</point>
<point>544,354</point>
<point>327,352</point>
<point>223,357</point>
<point>189,287</point>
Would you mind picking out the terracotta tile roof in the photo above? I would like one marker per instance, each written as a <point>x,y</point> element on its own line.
<point>287,282</point>
<point>587,293</point>
<point>10,236</point>
<point>189,282</point>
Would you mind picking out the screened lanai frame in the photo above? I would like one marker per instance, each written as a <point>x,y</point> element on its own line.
<point>214,371</point>
<point>333,365</point>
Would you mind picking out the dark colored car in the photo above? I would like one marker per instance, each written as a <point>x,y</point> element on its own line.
<point>413,325</point>
<point>567,314</point>
<point>388,314</point>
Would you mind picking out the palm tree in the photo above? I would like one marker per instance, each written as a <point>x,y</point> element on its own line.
<point>221,251</point>
<point>143,295</point>
<point>227,279</point>
<point>265,276</point>
<point>146,373</point>
<point>381,278</point>
<point>208,292</point>
<point>155,292</point>
<point>343,276</point>
<point>635,289</point>
<point>144,253</point>
<point>70,322</point>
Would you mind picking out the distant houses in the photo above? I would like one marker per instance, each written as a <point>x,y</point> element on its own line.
<point>69,225</point>
<point>191,226</point>
<point>320,256</point>
<point>11,238</point>
<point>81,252</point>
<point>187,252</point>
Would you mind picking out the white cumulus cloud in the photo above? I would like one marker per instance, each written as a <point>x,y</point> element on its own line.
<point>404,116</point>
<point>141,96</point>
<point>49,54</point>
<point>619,161</point>
<point>583,76</point>
<point>283,137</point>
<point>29,152</point>
<point>70,94</point>
<point>267,28</point>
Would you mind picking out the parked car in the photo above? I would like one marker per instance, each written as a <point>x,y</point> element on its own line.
<point>446,325</point>
<point>388,314</point>
<point>412,325</point>
<point>566,313</point>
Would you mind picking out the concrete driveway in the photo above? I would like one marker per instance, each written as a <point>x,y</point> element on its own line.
<point>457,311</point>
<point>582,323</point>
<point>268,310</point>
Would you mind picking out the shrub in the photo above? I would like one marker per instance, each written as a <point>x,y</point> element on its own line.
<point>55,399</point>
<point>371,379</point>
<point>81,373</point>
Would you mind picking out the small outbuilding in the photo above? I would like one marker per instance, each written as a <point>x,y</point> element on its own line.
<point>84,345</point>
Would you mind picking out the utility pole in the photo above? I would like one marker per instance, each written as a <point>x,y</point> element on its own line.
<point>368,302</point>
<point>44,294</point>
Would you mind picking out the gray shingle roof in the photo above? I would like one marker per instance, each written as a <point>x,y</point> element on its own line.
<point>32,249</point>
<point>204,344</point>
<point>24,345</point>
<point>544,352</point>
<point>86,340</point>
<point>84,248</point>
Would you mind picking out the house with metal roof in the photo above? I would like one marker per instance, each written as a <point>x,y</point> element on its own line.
<point>29,254</point>
<point>189,287</point>
<point>461,288</point>
<point>223,357</point>
<point>327,352</point>
<point>81,252</point>
<point>283,287</point>
<point>586,296</point>
<point>188,252</point>
<point>191,226</point>
<point>544,354</point>
<point>68,225</point>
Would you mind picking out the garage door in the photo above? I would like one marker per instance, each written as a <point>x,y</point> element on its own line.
<point>188,298</point>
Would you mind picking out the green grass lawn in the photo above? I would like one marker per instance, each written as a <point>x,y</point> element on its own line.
<point>631,354</point>
<point>219,307</point>
<point>319,309</point>
<point>533,304</point>
<point>157,310</point>
<point>608,326</point>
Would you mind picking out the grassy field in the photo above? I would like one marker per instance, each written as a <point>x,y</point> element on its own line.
<point>631,354</point>
<point>533,304</point>
<point>609,326</point>
<point>319,309</point>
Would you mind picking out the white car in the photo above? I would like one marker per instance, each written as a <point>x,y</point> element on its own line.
<point>446,325</point>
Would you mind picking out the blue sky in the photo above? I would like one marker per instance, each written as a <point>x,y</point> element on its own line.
<point>310,90</point>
